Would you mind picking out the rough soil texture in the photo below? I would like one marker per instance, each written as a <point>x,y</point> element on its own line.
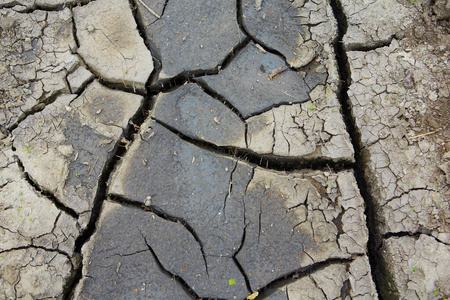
<point>36,58</point>
<point>249,149</point>
<point>399,96</point>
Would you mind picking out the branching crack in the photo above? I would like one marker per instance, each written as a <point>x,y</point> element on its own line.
<point>159,86</point>
<point>101,192</point>
<point>163,215</point>
<point>300,273</point>
<point>407,193</point>
<point>42,102</point>
<point>236,261</point>
<point>177,278</point>
<point>240,17</point>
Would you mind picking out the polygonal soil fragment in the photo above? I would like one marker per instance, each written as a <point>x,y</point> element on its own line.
<point>296,29</point>
<point>79,78</point>
<point>129,237</point>
<point>373,23</point>
<point>409,187</point>
<point>337,281</point>
<point>419,266</point>
<point>255,81</point>
<point>296,220</point>
<point>33,274</point>
<point>110,43</point>
<point>35,58</point>
<point>309,130</point>
<point>26,217</point>
<point>65,147</point>
<point>276,223</point>
<point>123,258</point>
<point>197,115</point>
<point>202,188</point>
<point>191,34</point>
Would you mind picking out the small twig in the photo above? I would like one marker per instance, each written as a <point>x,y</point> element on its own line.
<point>424,134</point>
<point>260,48</point>
<point>149,9</point>
<point>93,166</point>
<point>288,94</point>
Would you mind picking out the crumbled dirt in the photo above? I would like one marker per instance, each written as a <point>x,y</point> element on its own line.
<point>429,40</point>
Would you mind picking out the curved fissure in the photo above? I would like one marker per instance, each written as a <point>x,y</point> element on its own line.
<point>265,161</point>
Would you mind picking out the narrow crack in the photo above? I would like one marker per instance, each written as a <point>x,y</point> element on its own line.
<point>268,289</point>
<point>279,104</point>
<point>373,46</point>
<point>416,235</point>
<point>41,191</point>
<point>74,31</point>
<point>39,247</point>
<point>211,92</point>
<point>240,20</point>
<point>238,264</point>
<point>407,192</point>
<point>119,86</point>
<point>177,278</point>
<point>41,104</point>
<point>319,288</point>
<point>260,218</point>
<point>380,274</point>
<point>265,161</point>
<point>158,86</point>
<point>164,8</point>
<point>163,215</point>
<point>230,189</point>
<point>244,234</point>
<point>41,7</point>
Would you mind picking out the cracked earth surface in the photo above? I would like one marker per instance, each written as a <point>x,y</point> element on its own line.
<point>234,149</point>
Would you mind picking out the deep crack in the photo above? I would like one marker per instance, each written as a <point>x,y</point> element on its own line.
<point>380,274</point>
<point>265,161</point>
<point>101,193</point>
